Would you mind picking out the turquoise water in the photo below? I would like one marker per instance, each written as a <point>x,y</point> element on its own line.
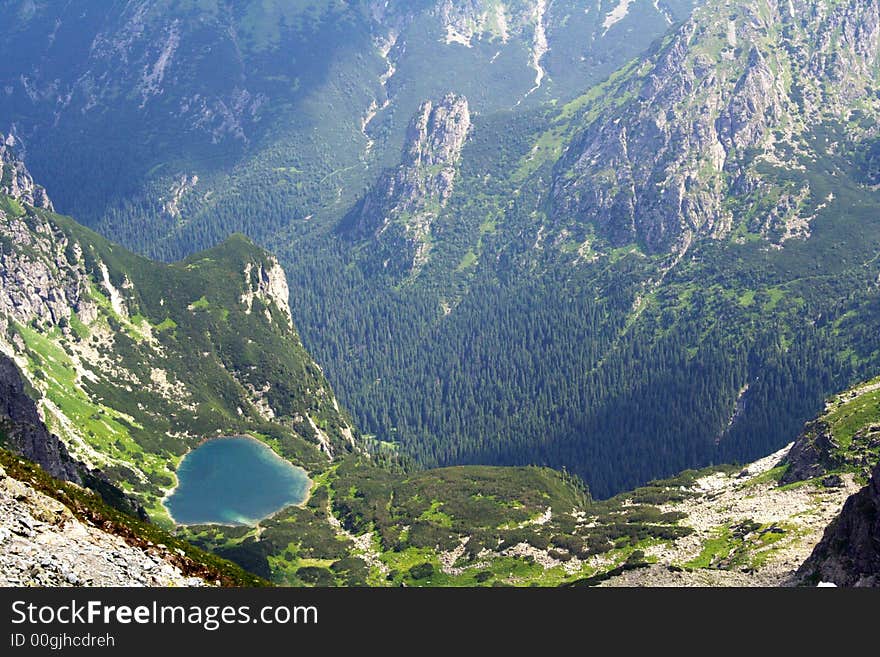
<point>234,481</point>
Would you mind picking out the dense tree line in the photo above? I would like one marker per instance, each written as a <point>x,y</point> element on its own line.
<point>543,371</point>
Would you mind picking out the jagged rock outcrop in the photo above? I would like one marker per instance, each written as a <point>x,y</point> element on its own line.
<point>849,552</point>
<point>678,138</point>
<point>812,455</point>
<point>23,430</point>
<point>16,181</point>
<point>40,277</point>
<point>267,282</point>
<point>399,210</point>
<point>821,450</point>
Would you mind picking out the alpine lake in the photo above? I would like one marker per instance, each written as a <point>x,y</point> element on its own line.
<point>234,481</point>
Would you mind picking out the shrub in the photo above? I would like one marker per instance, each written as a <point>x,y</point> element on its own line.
<point>421,571</point>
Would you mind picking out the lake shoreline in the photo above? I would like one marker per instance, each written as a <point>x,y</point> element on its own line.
<point>310,484</point>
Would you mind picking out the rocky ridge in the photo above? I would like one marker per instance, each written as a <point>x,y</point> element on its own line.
<point>797,517</point>
<point>75,328</point>
<point>15,180</point>
<point>737,89</point>
<point>399,210</point>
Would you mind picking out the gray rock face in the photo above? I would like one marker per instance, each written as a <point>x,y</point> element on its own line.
<point>25,433</point>
<point>755,104</point>
<point>812,454</point>
<point>268,283</point>
<point>16,181</point>
<point>675,139</point>
<point>816,453</point>
<point>399,210</point>
<point>849,552</point>
<point>40,277</point>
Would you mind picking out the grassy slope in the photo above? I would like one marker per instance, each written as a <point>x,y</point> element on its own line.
<point>178,365</point>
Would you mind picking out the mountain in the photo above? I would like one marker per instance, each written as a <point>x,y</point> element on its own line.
<point>117,365</point>
<point>670,270</point>
<point>182,112</point>
<point>522,292</point>
<point>710,134</point>
<point>16,181</point>
<point>134,362</point>
<point>87,355</point>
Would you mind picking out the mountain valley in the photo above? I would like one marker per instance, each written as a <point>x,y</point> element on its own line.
<point>552,293</point>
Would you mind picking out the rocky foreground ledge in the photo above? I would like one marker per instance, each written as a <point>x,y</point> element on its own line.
<point>748,529</point>
<point>43,544</point>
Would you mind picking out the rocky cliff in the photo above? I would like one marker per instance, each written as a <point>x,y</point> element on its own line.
<point>24,431</point>
<point>42,273</point>
<point>268,283</point>
<point>712,128</point>
<point>849,553</point>
<point>15,180</point>
<point>399,210</point>
<point>845,438</point>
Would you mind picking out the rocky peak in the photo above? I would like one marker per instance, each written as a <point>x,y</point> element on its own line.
<point>437,132</point>
<point>16,181</point>
<point>402,206</point>
<point>268,283</point>
<point>675,139</point>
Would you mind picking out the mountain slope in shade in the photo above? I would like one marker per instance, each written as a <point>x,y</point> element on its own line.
<point>848,554</point>
<point>167,116</point>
